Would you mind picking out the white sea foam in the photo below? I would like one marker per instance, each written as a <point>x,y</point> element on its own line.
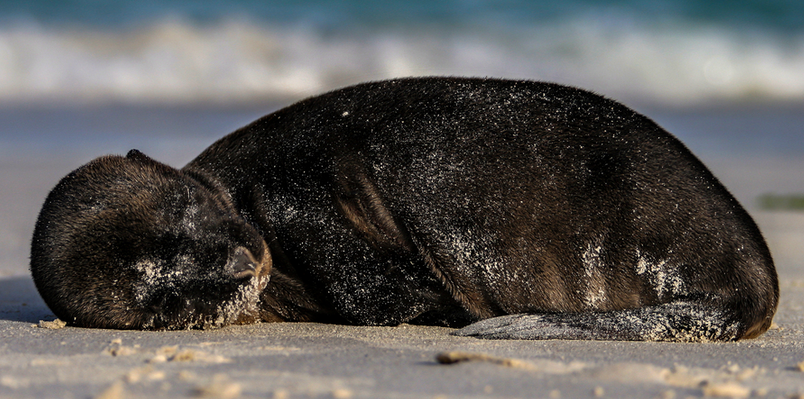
<point>237,60</point>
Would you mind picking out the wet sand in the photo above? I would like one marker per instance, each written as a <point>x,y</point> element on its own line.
<point>332,361</point>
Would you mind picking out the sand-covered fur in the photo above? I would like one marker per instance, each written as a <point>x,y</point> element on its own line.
<point>127,242</point>
<point>433,200</point>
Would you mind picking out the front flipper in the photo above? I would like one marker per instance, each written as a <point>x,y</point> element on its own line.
<point>676,321</point>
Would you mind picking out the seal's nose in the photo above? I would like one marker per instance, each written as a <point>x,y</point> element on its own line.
<point>242,265</point>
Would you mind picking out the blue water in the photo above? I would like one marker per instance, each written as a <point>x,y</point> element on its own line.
<point>786,16</point>
<point>226,51</point>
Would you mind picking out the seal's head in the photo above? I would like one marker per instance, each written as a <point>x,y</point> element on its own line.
<point>128,242</point>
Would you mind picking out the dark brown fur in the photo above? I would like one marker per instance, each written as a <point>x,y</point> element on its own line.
<point>542,210</point>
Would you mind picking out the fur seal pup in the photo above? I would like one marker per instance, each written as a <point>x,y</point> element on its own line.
<point>545,211</point>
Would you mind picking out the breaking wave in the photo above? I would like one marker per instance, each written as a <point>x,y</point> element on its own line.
<point>240,60</point>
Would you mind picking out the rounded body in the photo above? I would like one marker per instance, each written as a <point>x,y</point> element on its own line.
<point>448,201</point>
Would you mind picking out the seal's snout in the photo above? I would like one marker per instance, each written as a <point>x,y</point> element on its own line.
<point>242,264</point>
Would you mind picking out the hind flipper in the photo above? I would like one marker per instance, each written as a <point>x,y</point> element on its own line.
<point>677,321</point>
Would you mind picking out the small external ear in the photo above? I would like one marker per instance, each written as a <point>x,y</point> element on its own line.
<point>137,155</point>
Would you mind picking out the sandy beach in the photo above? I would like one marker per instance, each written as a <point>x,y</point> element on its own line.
<point>41,359</point>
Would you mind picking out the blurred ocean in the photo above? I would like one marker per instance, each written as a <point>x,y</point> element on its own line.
<point>664,52</point>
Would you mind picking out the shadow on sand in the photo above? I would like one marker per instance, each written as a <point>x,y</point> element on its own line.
<point>19,301</point>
